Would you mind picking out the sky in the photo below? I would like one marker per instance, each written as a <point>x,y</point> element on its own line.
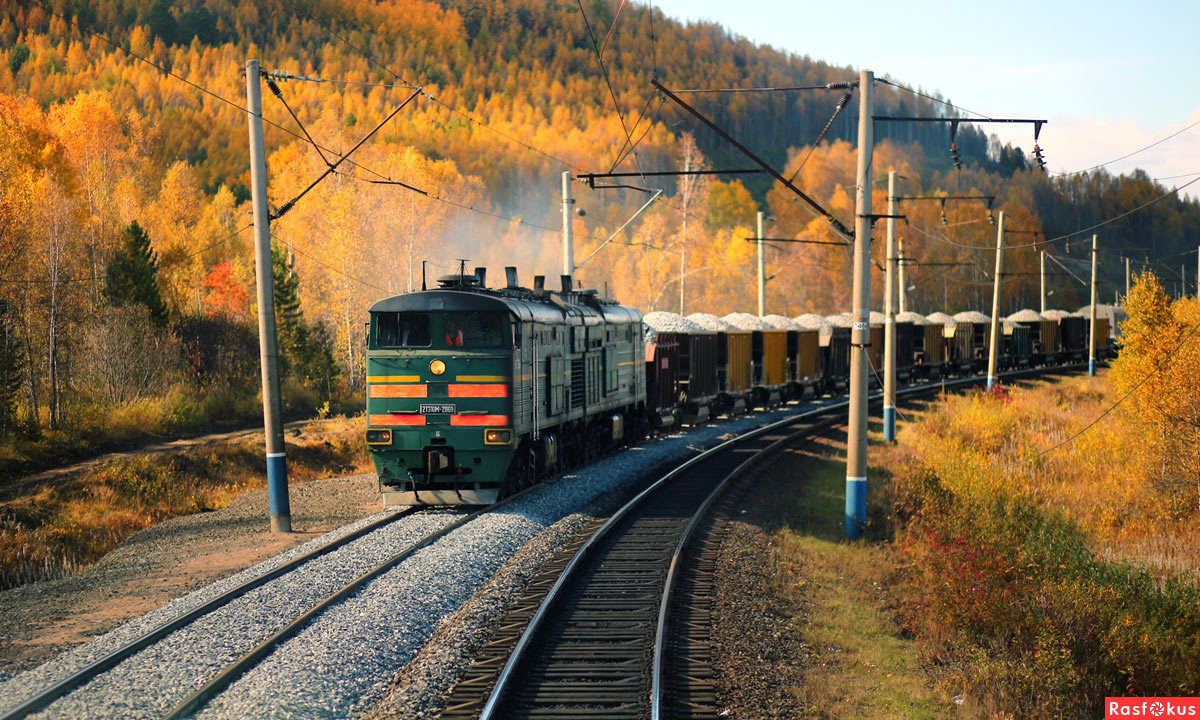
<point>1110,78</point>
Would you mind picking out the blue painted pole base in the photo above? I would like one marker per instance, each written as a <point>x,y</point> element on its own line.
<point>1091,367</point>
<point>889,423</point>
<point>856,506</point>
<point>277,493</point>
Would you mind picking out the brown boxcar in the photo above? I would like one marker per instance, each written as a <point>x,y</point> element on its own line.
<point>875,353</point>
<point>808,358</point>
<point>1102,332</point>
<point>698,366</point>
<point>960,353</point>
<point>736,368</point>
<point>933,350</point>
<point>771,356</point>
<point>662,372</point>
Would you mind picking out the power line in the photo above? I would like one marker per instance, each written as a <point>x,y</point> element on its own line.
<point>372,60</point>
<point>611,93</point>
<point>1135,152</point>
<point>327,266</point>
<point>41,281</point>
<point>934,99</point>
<point>1067,236</point>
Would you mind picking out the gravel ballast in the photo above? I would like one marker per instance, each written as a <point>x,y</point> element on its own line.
<point>342,663</point>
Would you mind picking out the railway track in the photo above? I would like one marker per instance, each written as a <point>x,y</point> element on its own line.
<point>617,627</point>
<point>107,662</point>
<point>110,660</point>
<point>632,613</point>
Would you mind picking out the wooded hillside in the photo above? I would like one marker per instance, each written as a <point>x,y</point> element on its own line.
<point>108,161</point>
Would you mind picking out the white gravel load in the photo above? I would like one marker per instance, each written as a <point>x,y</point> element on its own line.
<point>746,321</point>
<point>1025,316</point>
<point>911,317</point>
<point>666,322</point>
<point>1115,313</point>
<point>940,317</point>
<point>840,320</point>
<point>1055,314</point>
<point>343,662</point>
<point>812,321</point>
<point>972,316</point>
<point>781,322</point>
<point>709,321</point>
<point>878,318</point>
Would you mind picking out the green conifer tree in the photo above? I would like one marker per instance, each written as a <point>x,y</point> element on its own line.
<point>132,275</point>
<point>10,369</point>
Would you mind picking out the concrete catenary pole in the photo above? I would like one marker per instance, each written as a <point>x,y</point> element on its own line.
<point>900,271</point>
<point>1043,256</point>
<point>762,269</point>
<point>1126,278</point>
<point>1092,330</point>
<point>1198,272</point>
<point>995,333</point>
<point>889,327</point>
<point>277,488</point>
<point>860,337</point>
<point>568,241</point>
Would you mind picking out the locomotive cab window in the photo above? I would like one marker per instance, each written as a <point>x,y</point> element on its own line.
<point>474,329</point>
<point>402,329</point>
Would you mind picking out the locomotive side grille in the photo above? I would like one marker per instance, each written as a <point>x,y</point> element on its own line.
<point>578,383</point>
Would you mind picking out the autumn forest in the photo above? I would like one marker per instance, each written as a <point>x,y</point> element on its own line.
<point>127,281</point>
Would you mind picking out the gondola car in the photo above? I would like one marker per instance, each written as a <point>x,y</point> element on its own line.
<point>734,371</point>
<point>928,345</point>
<point>768,356</point>
<point>835,354</point>
<point>474,393</point>
<point>1017,347</point>
<point>684,355</point>
<point>803,354</point>
<point>977,328</point>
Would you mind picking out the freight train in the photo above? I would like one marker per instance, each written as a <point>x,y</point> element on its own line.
<point>474,393</point>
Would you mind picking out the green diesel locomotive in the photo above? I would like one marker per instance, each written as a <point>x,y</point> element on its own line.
<point>475,393</point>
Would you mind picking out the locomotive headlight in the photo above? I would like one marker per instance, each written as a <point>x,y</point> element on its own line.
<point>379,437</point>
<point>437,367</point>
<point>497,437</point>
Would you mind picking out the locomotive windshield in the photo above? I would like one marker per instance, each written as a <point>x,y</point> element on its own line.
<point>474,329</point>
<point>402,329</point>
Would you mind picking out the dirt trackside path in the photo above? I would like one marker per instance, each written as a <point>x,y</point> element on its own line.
<point>156,565</point>
<point>21,485</point>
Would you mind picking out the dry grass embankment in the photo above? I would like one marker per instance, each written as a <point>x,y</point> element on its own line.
<point>862,662</point>
<point>181,411</point>
<point>75,519</point>
<point>1038,576</point>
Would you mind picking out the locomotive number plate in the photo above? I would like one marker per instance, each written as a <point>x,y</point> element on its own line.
<point>439,409</point>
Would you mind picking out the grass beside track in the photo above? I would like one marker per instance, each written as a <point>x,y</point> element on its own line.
<point>1037,573</point>
<point>862,665</point>
<point>71,521</point>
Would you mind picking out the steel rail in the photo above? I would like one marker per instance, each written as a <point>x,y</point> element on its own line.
<point>517,655</point>
<point>239,667</point>
<point>90,671</point>
<point>657,691</point>
<point>508,673</point>
<point>657,682</point>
